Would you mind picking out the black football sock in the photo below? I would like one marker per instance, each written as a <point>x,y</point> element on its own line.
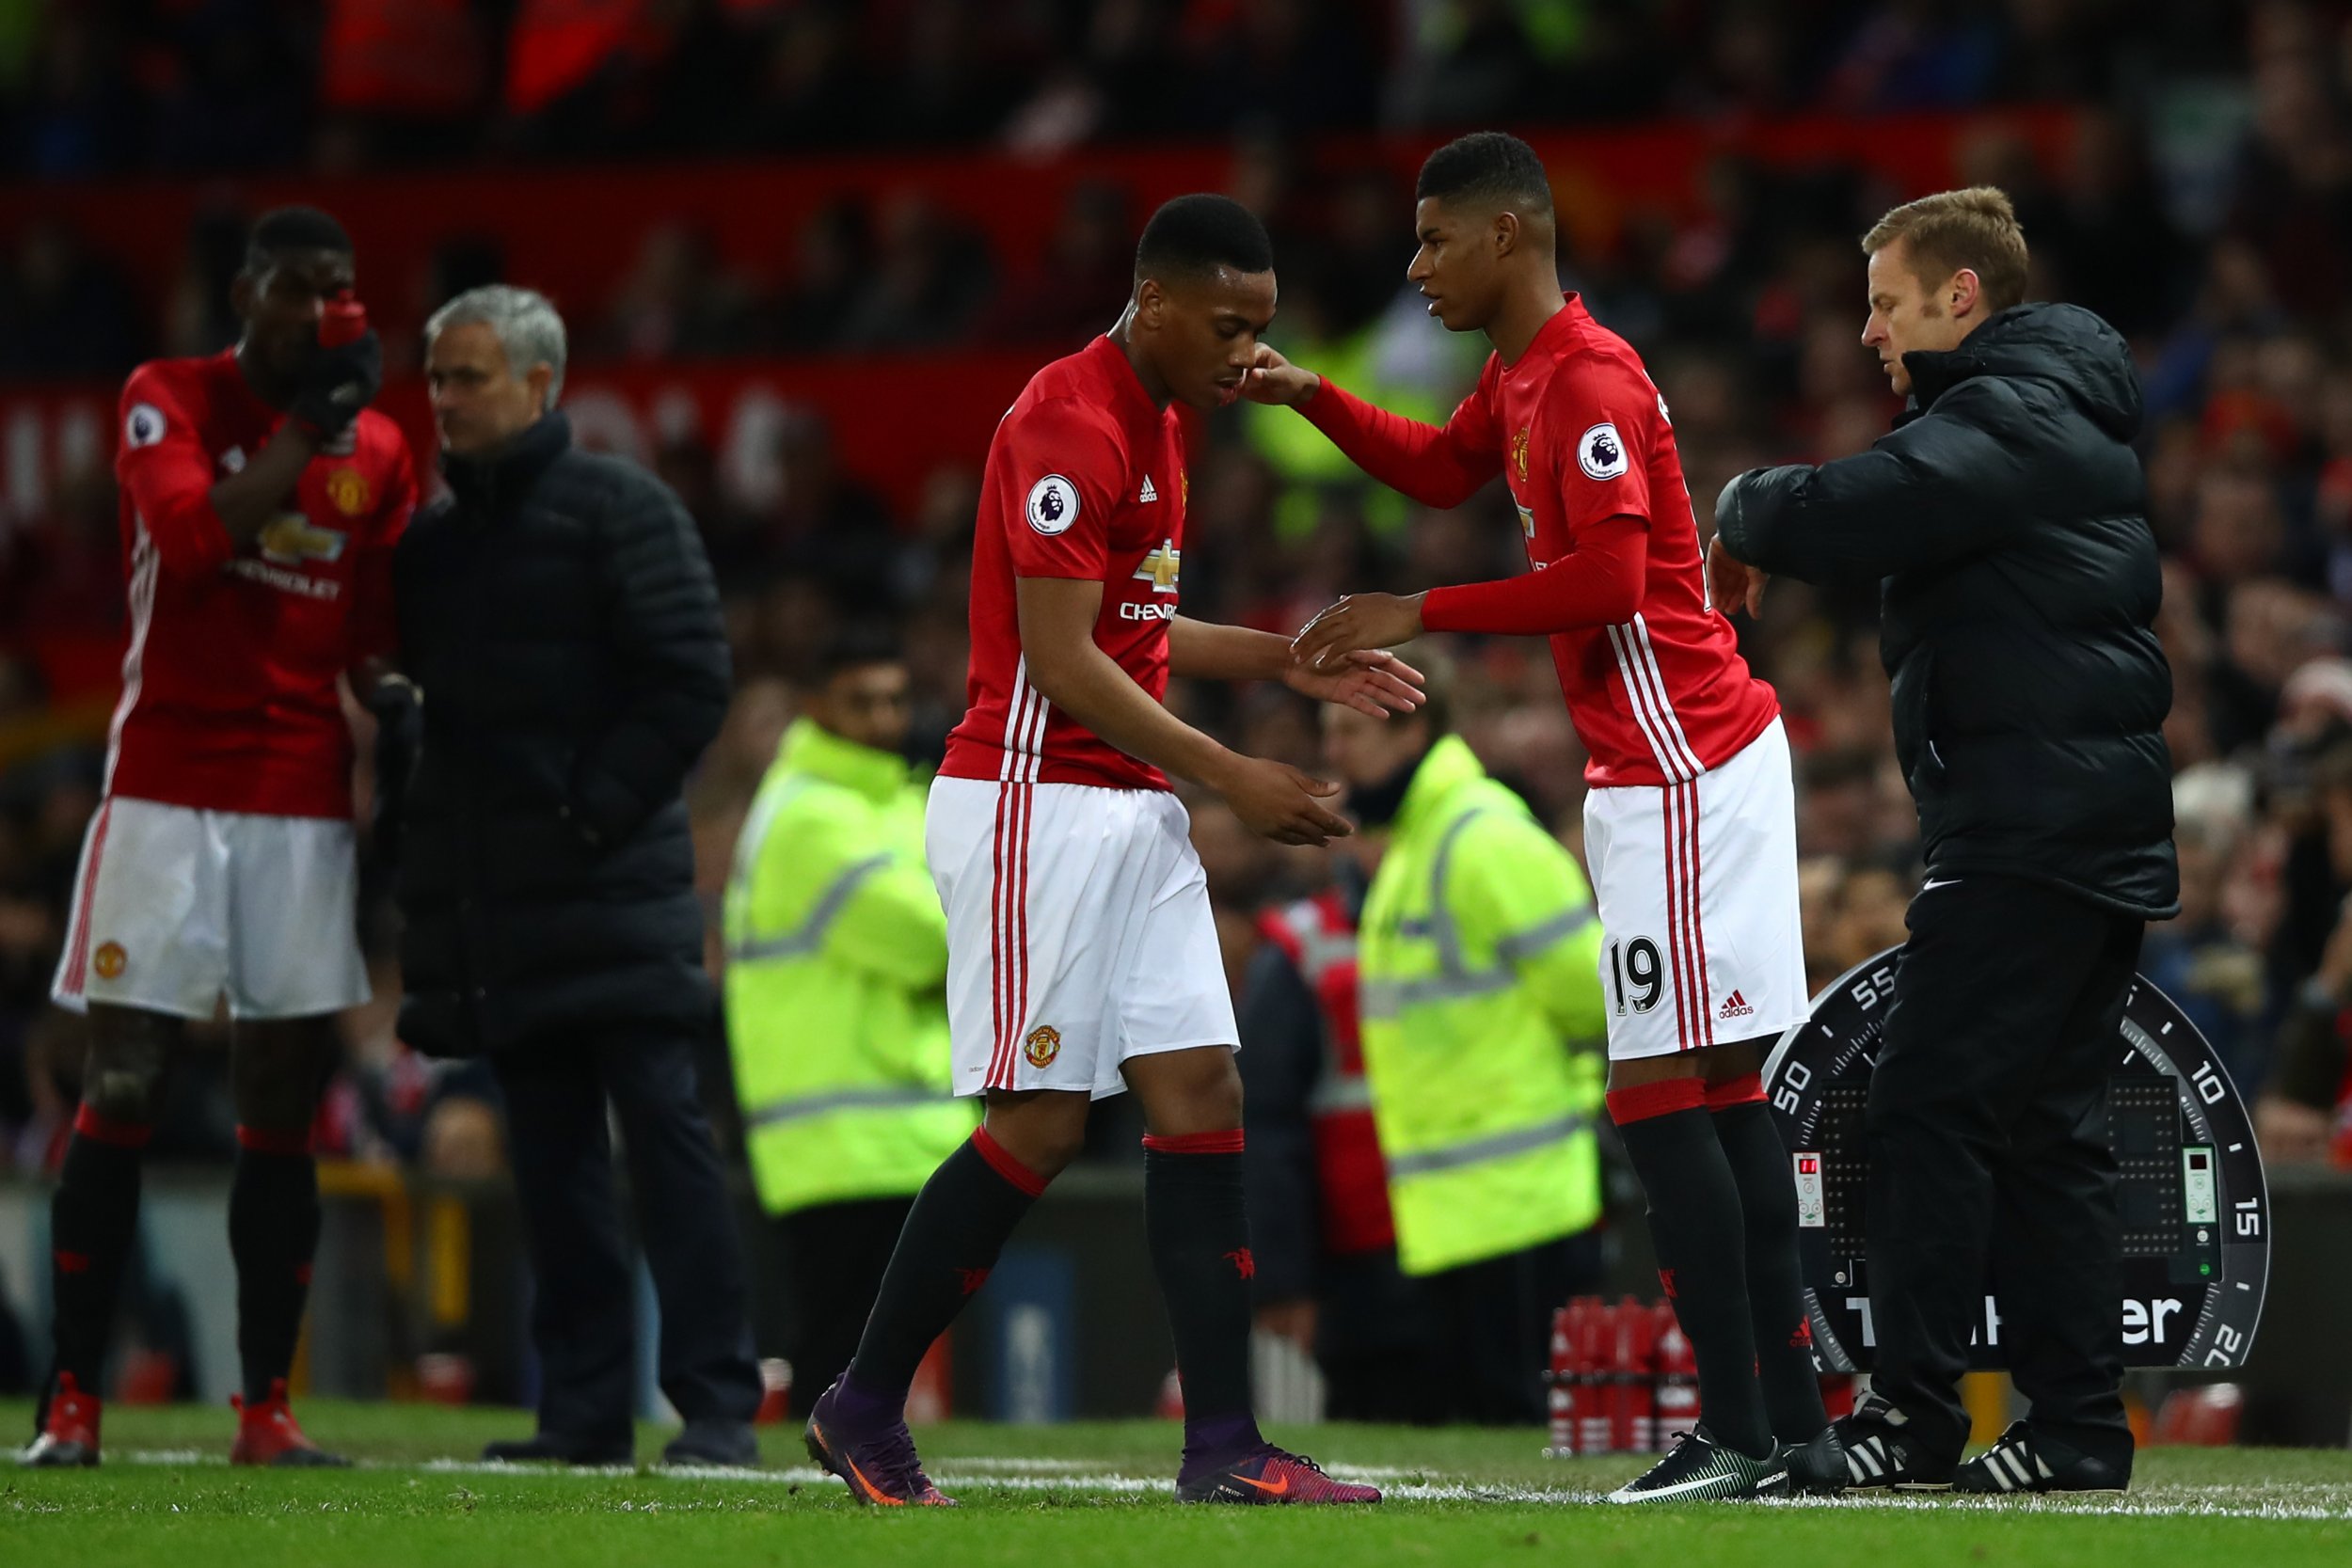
<point>1696,1222</point>
<point>1768,1202</point>
<point>272,1236</point>
<point>93,1220</point>
<point>952,1237</point>
<point>1197,1227</point>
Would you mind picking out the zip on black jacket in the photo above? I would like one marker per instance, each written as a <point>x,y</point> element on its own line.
<point>2007,515</point>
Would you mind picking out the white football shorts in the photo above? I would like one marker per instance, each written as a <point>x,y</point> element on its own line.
<point>174,907</point>
<point>1696,884</point>
<point>1079,933</point>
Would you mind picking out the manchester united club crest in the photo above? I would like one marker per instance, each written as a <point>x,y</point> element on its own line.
<point>1042,1046</point>
<point>109,961</point>
<point>348,489</point>
<point>1518,453</point>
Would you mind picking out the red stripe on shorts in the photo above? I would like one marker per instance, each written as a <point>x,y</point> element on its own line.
<point>1677,968</point>
<point>996,939</point>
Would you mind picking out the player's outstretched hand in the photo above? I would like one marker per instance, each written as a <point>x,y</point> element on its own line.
<point>1278,801</point>
<point>1370,680</point>
<point>1733,584</point>
<point>1272,378</point>
<point>1357,621</point>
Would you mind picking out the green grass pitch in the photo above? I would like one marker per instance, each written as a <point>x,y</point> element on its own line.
<point>1076,1496</point>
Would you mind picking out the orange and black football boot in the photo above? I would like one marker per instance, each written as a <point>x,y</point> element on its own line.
<point>879,1469</point>
<point>267,1433</point>
<point>1267,1475</point>
<point>68,1438</point>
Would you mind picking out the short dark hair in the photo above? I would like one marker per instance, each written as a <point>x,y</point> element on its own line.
<point>1975,229</point>
<point>1194,235</point>
<point>1491,164</point>
<point>293,229</point>
<point>867,640</point>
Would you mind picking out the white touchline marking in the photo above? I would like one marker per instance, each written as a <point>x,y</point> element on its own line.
<point>2228,1500</point>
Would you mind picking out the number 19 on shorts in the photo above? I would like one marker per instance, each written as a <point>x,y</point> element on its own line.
<point>1636,975</point>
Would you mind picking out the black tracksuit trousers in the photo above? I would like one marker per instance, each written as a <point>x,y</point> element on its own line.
<point>1987,1137</point>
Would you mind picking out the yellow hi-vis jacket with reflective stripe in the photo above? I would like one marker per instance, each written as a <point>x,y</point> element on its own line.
<point>1479,979</point>
<point>835,980</point>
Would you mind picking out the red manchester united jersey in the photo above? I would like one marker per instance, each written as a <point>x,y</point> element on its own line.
<point>1581,435</point>
<point>229,685</point>
<point>1585,436</point>
<point>1085,479</point>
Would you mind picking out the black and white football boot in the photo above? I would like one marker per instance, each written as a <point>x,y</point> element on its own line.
<point>1700,1469</point>
<point>1881,1454</point>
<point>2023,1462</point>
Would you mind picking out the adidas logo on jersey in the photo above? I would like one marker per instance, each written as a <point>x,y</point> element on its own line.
<point>1148,494</point>
<point>1735,1006</point>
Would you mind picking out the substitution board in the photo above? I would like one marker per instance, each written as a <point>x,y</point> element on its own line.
<point>2196,1210</point>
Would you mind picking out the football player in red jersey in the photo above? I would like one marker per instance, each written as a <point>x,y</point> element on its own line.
<point>1082,954</point>
<point>261,500</point>
<point>1689,818</point>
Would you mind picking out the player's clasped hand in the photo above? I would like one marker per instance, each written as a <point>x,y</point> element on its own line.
<point>337,383</point>
<point>1371,681</point>
<point>1278,801</point>
<point>1357,622</point>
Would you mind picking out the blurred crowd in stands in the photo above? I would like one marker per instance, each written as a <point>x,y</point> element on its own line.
<point>95,86</point>
<point>2205,209</point>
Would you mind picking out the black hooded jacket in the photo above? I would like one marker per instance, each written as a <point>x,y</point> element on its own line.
<point>560,618</point>
<point>2006,514</point>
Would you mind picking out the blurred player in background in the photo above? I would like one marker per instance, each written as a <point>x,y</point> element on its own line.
<point>1690,823</point>
<point>1082,956</point>
<point>260,499</point>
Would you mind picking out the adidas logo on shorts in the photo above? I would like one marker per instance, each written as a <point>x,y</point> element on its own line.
<point>1735,1006</point>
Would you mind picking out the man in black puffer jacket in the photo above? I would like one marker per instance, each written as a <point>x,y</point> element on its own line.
<point>2021,582</point>
<point>560,619</point>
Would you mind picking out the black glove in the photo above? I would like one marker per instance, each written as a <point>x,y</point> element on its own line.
<point>399,710</point>
<point>336,384</point>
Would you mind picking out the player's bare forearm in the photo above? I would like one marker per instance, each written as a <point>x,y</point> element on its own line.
<point>1072,671</point>
<point>1210,651</point>
<point>248,499</point>
<point>1056,618</point>
<point>1370,681</point>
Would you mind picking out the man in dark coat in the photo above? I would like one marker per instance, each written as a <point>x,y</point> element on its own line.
<point>2005,513</point>
<point>560,619</point>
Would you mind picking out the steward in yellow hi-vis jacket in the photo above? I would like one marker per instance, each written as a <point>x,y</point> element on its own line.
<point>837,1011</point>
<point>1481,1002</point>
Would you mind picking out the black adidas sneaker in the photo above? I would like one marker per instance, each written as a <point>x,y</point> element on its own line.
<point>1880,1453</point>
<point>1700,1469</point>
<point>2023,1462</point>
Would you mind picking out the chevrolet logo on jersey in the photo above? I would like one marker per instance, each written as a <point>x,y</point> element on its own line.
<point>291,539</point>
<point>1159,567</point>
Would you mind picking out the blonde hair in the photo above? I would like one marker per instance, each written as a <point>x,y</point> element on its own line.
<point>1975,229</point>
